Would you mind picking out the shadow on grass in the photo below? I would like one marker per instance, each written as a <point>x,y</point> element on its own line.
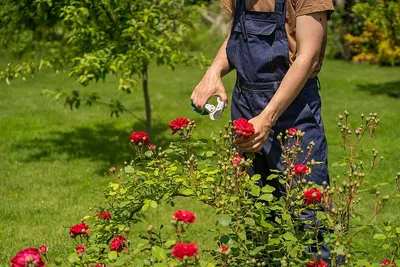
<point>102,142</point>
<point>391,89</point>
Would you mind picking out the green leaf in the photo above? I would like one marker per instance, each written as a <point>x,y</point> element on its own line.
<point>153,204</point>
<point>387,228</point>
<point>249,221</point>
<point>256,250</point>
<point>58,261</point>
<point>379,236</point>
<point>148,153</point>
<point>146,206</point>
<point>363,263</point>
<point>210,179</point>
<point>170,242</point>
<point>272,176</point>
<point>159,253</point>
<point>138,263</point>
<point>273,241</point>
<point>187,192</point>
<point>224,219</point>
<point>124,203</point>
<point>210,153</point>
<point>289,236</point>
<point>121,261</point>
<point>379,185</point>
<point>268,189</point>
<point>251,156</point>
<point>339,164</point>
<point>114,186</point>
<point>266,197</point>
<point>256,177</point>
<point>129,169</point>
<point>73,258</point>
<point>112,255</point>
<point>385,246</point>
<point>286,217</point>
<point>224,239</point>
<point>168,151</point>
<point>255,190</point>
<point>398,230</point>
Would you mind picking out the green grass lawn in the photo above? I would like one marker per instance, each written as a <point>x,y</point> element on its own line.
<point>53,160</point>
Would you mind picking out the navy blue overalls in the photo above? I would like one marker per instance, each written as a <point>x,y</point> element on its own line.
<point>259,51</point>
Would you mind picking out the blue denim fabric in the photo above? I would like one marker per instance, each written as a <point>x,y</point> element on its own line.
<point>258,49</point>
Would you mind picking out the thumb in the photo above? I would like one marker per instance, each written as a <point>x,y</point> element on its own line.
<point>222,95</point>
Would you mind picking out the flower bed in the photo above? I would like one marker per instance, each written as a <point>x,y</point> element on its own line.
<point>255,226</point>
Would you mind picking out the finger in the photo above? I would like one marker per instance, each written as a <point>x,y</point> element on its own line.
<point>255,148</point>
<point>198,102</point>
<point>251,142</point>
<point>222,95</point>
<point>239,140</point>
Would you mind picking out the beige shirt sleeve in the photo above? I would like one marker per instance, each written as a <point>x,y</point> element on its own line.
<point>303,7</point>
<point>228,6</point>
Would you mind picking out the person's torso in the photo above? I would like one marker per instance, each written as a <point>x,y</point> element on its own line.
<point>292,6</point>
<point>258,46</point>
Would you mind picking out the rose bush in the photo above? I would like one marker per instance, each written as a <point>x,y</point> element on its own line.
<point>255,225</point>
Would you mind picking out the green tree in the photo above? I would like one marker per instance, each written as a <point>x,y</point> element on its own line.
<point>99,38</point>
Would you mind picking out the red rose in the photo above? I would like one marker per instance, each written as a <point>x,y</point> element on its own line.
<point>181,250</point>
<point>243,127</point>
<point>152,147</point>
<point>79,229</point>
<point>300,169</point>
<point>184,216</point>
<point>237,159</point>
<point>100,265</point>
<point>140,138</point>
<point>178,124</point>
<point>312,195</point>
<point>224,249</point>
<point>118,243</point>
<point>387,262</point>
<point>112,169</point>
<point>292,131</point>
<point>317,263</point>
<point>27,257</point>
<point>104,215</point>
<point>43,248</point>
<point>80,249</point>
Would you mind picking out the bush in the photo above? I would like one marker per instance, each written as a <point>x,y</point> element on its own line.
<point>255,227</point>
<point>379,41</point>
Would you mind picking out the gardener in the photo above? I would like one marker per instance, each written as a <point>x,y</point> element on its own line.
<point>277,49</point>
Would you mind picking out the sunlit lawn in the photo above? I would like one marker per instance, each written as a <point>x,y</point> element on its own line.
<point>53,161</point>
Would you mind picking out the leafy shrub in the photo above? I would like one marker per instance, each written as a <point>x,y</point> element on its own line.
<point>255,226</point>
<point>379,41</point>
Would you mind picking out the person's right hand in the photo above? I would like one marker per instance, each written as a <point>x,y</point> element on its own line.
<point>210,85</point>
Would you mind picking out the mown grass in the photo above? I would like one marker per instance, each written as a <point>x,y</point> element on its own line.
<point>53,160</point>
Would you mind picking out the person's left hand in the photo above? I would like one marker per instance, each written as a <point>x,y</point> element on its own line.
<point>255,142</point>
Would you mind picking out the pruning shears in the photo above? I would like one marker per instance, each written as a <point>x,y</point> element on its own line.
<point>215,112</point>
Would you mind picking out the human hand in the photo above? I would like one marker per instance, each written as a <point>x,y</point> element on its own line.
<point>210,85</point>
<point>255,143</point>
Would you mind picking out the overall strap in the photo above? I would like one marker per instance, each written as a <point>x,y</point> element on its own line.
<point>238,7</point>
<point>280,6</point>
<point>240,16</point>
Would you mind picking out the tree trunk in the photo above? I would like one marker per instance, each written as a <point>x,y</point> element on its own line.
<point>145,79</point>
<point>346,20</point>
